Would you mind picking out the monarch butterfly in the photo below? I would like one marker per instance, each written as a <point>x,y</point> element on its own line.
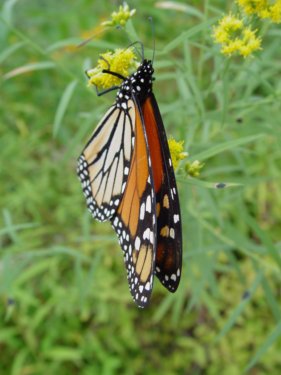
<point>127,177</point>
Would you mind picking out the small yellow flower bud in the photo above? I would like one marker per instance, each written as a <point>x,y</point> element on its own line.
<point>194,168</point>
<point>121,17</point>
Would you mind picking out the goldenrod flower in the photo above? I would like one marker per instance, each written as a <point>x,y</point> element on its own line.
<point>121,61</point>
<point>235,37</point>
<point>228,25</point>
<point>262,8</point>
<point>176,150</point>
<point>121,17</point>
<point>194,168</point>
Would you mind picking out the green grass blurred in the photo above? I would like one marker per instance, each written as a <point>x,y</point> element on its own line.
<point>65,306</point>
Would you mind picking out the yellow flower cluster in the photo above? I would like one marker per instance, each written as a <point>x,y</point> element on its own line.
<point>262,8</point>
<point>121,17</point>
<point>176,150</point>
<point>194,168</point>
<point>121,61</point>
<point>235,37</point>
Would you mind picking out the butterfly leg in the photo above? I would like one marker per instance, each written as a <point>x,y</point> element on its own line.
<point>100,93</point>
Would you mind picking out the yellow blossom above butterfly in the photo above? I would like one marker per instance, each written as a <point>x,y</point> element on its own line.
<point>121,61</point>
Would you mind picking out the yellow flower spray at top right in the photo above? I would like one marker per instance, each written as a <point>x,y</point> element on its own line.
<point>235,34</point>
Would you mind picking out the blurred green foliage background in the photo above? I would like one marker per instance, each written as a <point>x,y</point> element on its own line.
<point>65,307</point>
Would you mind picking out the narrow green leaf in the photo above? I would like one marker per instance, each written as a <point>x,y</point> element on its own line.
<point>208,185</point>
<point>19,361</point>
<point>7,334</point>
<point>10,229</point>
<point>33,270</point>
<point>186,35</point>
<point>272,302</point>
<point>16,227</point>
<point>272,250</point>
<point>58,250</point>
<point>10,50</point>
<point>163,308</point>
<point>274,335</point>
<point>62,107</point>
<point>7,10</point>
<point>225,146</point>
<point>130,29</point>
<point>192,11</point>
<point>239,308</point>
<point>63,354</point>
<point>29,68</point>
<point>77,42</point>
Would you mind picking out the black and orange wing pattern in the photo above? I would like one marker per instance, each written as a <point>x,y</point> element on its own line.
<point>135,219</point>
<point>127,177</point>
<point>169,234</point>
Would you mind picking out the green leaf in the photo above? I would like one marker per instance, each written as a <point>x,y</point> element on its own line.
<point>190,10</point>
<point>62,107</point>
<point>270,340</point>
<point>240,308</point>
<point>225,146</point>
<point>208,185</point>
<point>10,50</point>
<point>29,68</point>
<point>186,35</point>
<point>263,236</point>
<point>60,353</point>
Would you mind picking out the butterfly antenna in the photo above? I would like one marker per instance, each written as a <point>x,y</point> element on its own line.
<point>142,49</point>
<point>150,19</point>
<point>108,65</point>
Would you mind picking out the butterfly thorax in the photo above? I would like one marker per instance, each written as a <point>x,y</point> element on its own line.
<point>138,84</point>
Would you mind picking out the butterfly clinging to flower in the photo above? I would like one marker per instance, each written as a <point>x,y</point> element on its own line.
<point>127,177</point>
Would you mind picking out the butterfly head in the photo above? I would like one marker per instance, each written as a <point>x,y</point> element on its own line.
<point>138,84</point>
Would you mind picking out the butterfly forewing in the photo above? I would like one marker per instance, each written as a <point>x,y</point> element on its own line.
<point>104,164</point>
<point>169,234</point>
<point>135,219</point>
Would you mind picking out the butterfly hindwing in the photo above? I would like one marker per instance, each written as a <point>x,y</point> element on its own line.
<point>135,219</point>
<point>169,234</point>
